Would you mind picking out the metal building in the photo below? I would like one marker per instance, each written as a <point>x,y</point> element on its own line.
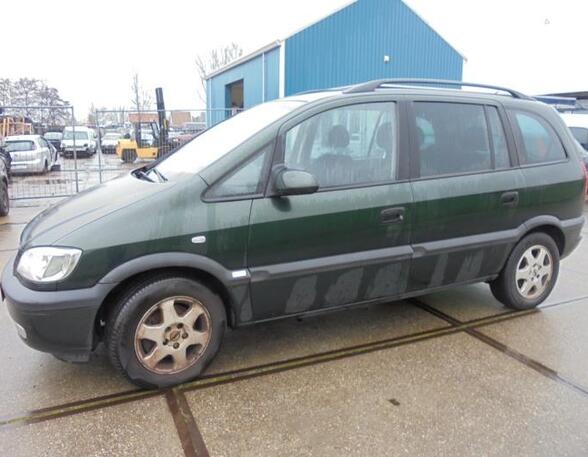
<point>367,39</point>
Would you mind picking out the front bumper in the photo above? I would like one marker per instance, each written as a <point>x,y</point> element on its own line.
<point>59,322</point>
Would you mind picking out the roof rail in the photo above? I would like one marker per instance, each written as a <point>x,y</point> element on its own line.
<point>371,86</point>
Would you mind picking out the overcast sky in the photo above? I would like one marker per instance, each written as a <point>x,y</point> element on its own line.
<point>90,50</point>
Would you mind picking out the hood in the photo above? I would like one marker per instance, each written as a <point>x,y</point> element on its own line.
<point>87,206</point>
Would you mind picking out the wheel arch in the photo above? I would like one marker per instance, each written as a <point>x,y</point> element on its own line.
<point>550,225</point>
<point>143,269</point>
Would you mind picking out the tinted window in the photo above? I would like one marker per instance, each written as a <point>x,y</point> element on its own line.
<point>580,134</point>
<point>452,138</point>
<point>501,158</point>
<point>539,141</point>
<point>346,146</point>
<point>246,180</point>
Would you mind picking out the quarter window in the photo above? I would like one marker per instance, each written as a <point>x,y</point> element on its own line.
<point>452,138</point>
<point>539,142</point>
<point>346,146</point>
<point>245,180</point>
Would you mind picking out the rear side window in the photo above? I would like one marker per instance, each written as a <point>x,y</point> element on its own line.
<point>452,138</point>
<point>539,142</point>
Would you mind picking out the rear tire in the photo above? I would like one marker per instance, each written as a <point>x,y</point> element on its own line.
<point>165,331</point>
<point>530,273</point>
<point>4,200</point>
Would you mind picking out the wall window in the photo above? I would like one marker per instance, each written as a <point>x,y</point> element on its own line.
<point>245,180</point>
<point>539,141</point>
<point>345,146</point>
<point>452,138</point>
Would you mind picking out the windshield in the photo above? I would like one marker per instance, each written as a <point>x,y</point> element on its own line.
<point>222,138</point>
<point>53,136</point>
<point>79,135</point>
<point>14,146</point>
<point>112,136</point>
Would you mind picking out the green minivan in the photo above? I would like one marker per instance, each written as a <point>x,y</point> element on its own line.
<point>370,193</point>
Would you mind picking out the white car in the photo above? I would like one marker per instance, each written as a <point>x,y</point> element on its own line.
<point>85,141</point>
<point>578,125</point>
<point>109,142</point>
<point>30,154</point>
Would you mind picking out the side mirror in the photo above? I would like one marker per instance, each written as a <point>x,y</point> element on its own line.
<point>295,182</point>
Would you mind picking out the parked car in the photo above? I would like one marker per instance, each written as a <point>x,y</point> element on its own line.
<point>4,200</point>
<point>85,142</point>
<point>55,139</point>
<point>578,124</point>
<point>298,206</point>
<point>109,142</point>
<point>30,154</point>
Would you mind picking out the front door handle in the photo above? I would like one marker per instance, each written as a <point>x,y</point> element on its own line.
<point>392,215</point>
<point>510,199</point>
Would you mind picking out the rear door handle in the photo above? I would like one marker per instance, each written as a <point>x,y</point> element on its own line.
<point>510,199</point>
<point>392,215</point>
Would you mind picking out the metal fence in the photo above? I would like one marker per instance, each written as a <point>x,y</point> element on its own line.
<point>53,154</point>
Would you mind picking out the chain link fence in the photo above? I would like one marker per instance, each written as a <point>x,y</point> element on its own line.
<point>52,155</point>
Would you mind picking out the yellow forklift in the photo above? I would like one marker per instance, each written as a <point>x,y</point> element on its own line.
<point>149,139</point>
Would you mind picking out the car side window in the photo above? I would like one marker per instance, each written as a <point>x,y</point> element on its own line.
<point>452,138</point>
<point>245,180</point>
<point>538,139</point>
<point>501,157</point>
<point>346,146</point>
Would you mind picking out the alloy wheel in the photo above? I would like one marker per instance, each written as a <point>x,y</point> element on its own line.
<point>534,271</point>
<point>172,335</point>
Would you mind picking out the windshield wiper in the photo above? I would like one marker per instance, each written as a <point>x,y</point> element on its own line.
<point>158,173</point>
<point>139,173</point>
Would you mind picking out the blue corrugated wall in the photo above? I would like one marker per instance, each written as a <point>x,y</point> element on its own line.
<point>349,47</point>
<point>253,84</point>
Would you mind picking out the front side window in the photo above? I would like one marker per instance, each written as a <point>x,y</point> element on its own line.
<point>452,138</point>
<point>346,146</point>
<point>539,141</point>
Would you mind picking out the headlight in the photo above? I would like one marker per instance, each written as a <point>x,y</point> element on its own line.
<point>48,264</point>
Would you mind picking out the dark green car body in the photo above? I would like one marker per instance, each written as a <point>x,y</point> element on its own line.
<point>270,256</point>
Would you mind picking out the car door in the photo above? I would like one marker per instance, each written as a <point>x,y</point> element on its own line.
<point>348,242</point>
<point>466,184</point>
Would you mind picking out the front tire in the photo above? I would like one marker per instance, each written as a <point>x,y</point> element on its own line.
<point>165,331</point>
<point>530,273</point>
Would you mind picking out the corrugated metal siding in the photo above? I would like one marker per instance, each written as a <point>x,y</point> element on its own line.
<point>349,47</point>
<point>252,74</point>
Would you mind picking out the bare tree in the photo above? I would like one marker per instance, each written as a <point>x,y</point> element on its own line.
<point>214,60</point>
<point>142,99</point>
<point>27,92</point>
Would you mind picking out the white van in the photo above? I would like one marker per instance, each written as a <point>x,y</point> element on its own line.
<point>85,141</point>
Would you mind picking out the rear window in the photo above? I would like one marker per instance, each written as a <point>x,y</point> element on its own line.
<point>15,146</point>
<point>53,136</point>
<point>539,142</point>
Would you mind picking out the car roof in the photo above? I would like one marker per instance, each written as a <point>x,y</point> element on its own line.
<point>421,87</point>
